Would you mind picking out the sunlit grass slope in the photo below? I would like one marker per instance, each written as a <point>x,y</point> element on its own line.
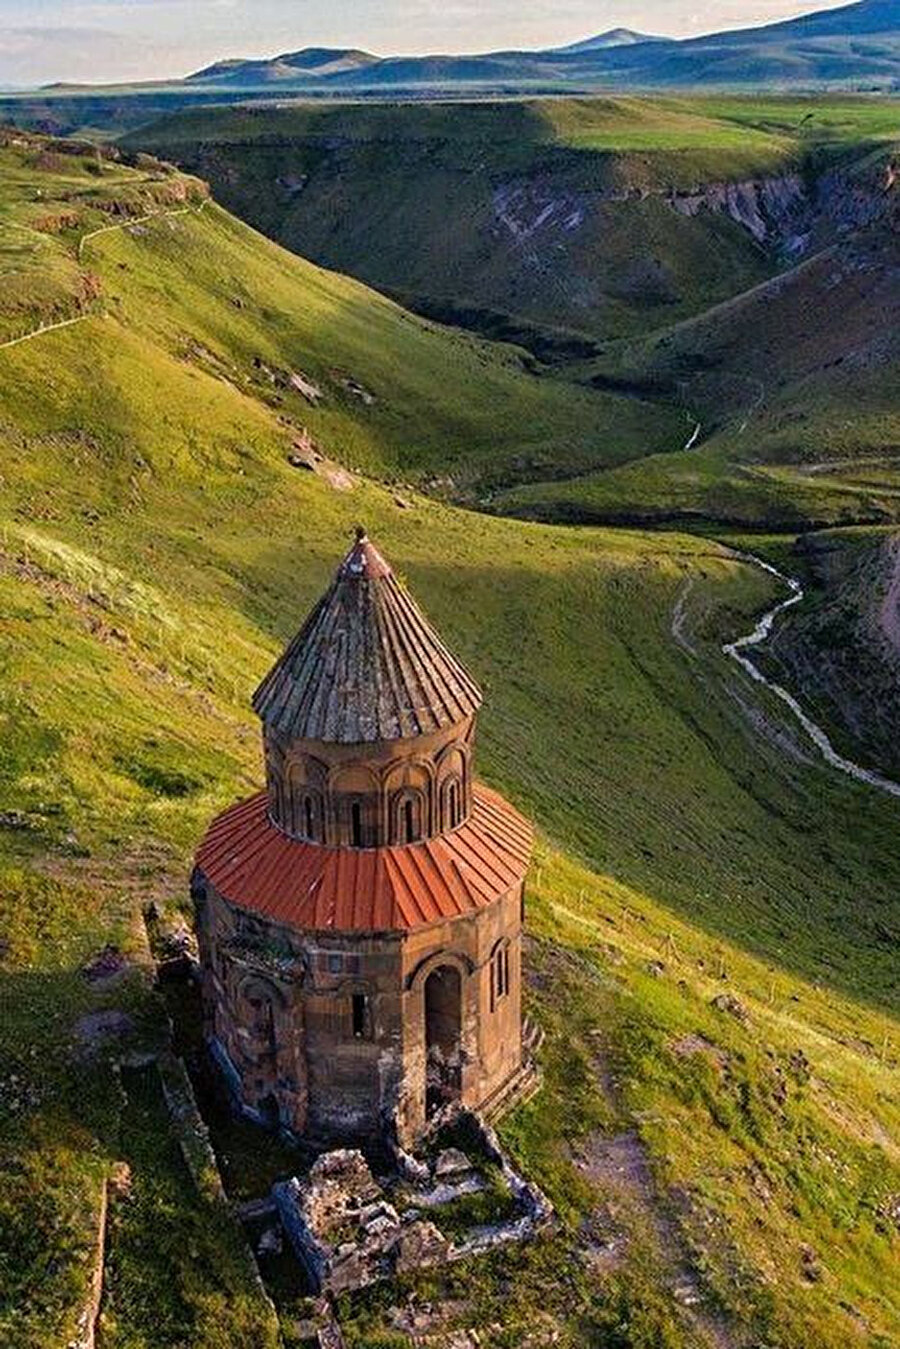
<point>808,119</point>
<point>53,192</point>
<point>156,549</point>
<point>376,387</point>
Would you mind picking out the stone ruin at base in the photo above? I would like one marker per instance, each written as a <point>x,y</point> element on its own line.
<point>348,1231</point>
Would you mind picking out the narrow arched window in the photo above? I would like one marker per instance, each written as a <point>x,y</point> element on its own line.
<point>309,809</point>
<point>407,816</point>
<point>359,1012</point>
<point>356,831</point>
<point>499,974</point>
<point>280,801</point>
<point>454,805</point>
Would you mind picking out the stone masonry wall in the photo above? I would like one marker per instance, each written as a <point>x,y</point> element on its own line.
<point>327,1034</point>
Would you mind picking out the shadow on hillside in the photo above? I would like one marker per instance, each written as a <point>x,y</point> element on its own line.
<point>652,767</point>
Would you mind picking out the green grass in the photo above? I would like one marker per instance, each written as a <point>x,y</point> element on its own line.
<point>158,549</point>
<point>51,196</point>
<point>713,486</point>
<point>508,131</point>
<point>817,119</point>
<point>560,233</point>
<point>666,127</point>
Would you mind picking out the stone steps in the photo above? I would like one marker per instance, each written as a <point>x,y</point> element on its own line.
<point>525,1083</point>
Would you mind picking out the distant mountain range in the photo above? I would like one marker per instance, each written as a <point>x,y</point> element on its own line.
<point>318,63</point>
<point>855,45</point>
<point>853,48</point>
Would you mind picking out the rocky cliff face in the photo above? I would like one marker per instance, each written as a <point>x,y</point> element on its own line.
<point>794,214</point>
<point>764,207</point>
<point>788,217</point>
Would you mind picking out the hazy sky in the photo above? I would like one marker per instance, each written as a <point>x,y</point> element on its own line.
<point>102,40</point>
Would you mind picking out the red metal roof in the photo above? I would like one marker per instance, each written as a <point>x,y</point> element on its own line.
<point>255,866</point>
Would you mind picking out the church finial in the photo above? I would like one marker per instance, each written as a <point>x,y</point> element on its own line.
<point>363,562</point>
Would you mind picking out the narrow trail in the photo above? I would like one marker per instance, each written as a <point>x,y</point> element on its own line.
<point>621,1167</point>
<point>46,328</point>
<point>137,220</point>
<point>679,619</point>
<point>737,651</point>
<point>85,238</point>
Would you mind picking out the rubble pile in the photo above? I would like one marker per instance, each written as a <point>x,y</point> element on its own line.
<point>347,1232</point>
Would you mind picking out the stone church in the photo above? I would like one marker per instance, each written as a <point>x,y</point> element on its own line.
<point>360,920</point>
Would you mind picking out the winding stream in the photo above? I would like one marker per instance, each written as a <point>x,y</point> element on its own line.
<point>737,649</point>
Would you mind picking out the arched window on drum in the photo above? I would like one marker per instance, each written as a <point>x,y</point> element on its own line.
<point>311,816</point>
<point>306,813</point>
<point>408,816</point>
<point>451,802</point>
<point>499,974</point>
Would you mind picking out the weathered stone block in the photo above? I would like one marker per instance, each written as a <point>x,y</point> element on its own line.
<point>419,1244</point>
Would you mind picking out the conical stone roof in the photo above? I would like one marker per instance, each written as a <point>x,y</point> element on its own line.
<point>366,665</point>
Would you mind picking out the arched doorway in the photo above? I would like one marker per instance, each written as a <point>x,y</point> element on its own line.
<point>443,1043</point>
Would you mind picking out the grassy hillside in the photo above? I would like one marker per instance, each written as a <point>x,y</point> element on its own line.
<point>549,214</point>
<point>826,120</point>
<point>375,387</point>
<point>156,549</point>
<point>53,193</point>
